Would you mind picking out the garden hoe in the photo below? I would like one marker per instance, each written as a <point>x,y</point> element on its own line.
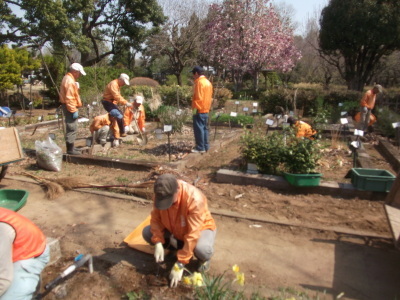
<point>143,137</point>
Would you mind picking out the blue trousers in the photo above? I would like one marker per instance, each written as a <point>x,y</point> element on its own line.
<point>116,113</point>
<point>201,131</point>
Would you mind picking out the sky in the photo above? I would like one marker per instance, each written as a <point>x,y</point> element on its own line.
<point>303,9</point>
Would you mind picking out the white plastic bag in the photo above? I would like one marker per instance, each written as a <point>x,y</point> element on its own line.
<point>48,155</point>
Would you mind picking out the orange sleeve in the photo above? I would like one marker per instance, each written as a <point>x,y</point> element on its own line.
<point>157,228</point>
<point>69,94</point>
<point>202,95</point>
<point>142,117</point>
<point>112,93</point>
<point>128,115</point>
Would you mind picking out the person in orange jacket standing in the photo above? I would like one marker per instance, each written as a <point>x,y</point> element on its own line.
<point>100,128</point>
<point>135,113</point>
<point>112,98</point>
<point>302,128</point>
<point>180,219</point>
<point>23,255</point>
<point>70,101</point>
<point>367,104</point>
<point>201,104</point>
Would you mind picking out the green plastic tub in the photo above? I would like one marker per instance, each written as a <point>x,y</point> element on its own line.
<point>375,180</point>
<point>312,179</point>
<point>13,199</point>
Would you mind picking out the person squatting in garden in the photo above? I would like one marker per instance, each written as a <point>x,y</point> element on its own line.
<point>70,101</point>
<point>135,116</point>
<point>112,98</point>
<point>23,255</point>
<point>367,104</point>
<point>303,130</point>
<point>180,220</point>
<point>201,104</point>
<point>100,128</point>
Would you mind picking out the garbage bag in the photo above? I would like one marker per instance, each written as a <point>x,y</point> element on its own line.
<point>48,155</point>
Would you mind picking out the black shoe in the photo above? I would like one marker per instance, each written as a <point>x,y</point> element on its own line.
<point>71,150</point>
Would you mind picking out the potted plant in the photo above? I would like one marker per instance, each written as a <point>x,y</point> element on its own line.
<point>300,162</point>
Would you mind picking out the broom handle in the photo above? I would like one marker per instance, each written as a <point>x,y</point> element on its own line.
<point>143,184</point>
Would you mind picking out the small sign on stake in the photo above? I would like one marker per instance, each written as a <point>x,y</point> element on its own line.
<point>245,109</point>
<point>344,121</point>
<point>340,104</point>
<point>343,113</point>
<point>396,125</point>
<point>167,128</point>
<point>94,103</point>
<point>358,132</point>
<point>237,102</point>
<point>269,122</point>
<point>233,114</point>
<point>255,104</point>
<point>255,110</point>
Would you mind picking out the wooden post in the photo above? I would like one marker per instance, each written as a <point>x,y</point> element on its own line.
<point>393,198</point>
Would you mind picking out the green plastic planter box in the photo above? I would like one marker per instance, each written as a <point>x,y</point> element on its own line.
<point>375,180</point>
<point>311,179</point>
<point>13,199</point>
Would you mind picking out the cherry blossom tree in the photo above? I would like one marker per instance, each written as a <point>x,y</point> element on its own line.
<point>247,36</point>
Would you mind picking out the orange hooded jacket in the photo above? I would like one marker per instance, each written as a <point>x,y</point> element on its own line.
<point>69,94</point>
<point>304,130</point>
<point>368,100</point>
<point>29,239</point>
<point>131,113</point>
<point>202,95</point>
<point>185,219</point>
<point>103,120</point>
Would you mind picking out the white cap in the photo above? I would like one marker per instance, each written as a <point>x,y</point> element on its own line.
<point>125,78</point>
<point>139,99</point>
<point>77,67</point>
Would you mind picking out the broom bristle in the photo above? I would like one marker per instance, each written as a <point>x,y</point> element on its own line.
<point>69,183</point>
<point>53,189</point>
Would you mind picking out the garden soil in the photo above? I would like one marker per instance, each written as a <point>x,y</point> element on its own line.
<point>281,261</point>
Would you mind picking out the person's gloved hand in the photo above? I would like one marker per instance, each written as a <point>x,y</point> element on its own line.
<point>176,274</point>
<point>126,129</point>
<point>75,115</point>
<point>143,129</point>
<point>159,252</point>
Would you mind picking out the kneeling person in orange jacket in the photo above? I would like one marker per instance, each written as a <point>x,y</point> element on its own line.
<point>180,218</point>
<point>302,128</point>
<point>100,128</point>
<point>23,256</point>
<point>136,114</point>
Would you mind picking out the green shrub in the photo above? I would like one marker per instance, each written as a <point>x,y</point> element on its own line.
<point>239,120</point>
<point>301,155</point>
<point>266,151</point>
<point>170,115</point>
<point>171,95</point>
<point>385,119</point>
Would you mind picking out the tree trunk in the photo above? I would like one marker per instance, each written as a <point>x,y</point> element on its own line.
<point>256,81</point>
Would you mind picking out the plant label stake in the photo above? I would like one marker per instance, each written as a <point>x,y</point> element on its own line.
<point>168,129</point>
<point>396,126</point>
<point>233,114</point>
<point>269,122</point>
<point>237,105</point>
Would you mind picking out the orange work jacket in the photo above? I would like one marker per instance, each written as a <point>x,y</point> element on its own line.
<point>112,93</point>
<point>202,95</point>
<point>103,120</point>
<point>185,219</point>
<point>368,100</point>
<point>304,130</point>
<point>138,114</point>
<point>29,239</point>
<point>69,94</point>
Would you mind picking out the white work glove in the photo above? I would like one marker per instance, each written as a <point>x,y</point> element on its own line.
<point>143,129</point>
<point>115,143</point>
<point>126,129</point>
<point>176,274</point>
<point>128,104</point>
<point>173,242</point>
<point>159,252</point>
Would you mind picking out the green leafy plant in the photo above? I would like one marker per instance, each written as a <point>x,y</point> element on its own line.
<point>266,151</point>
<point>170,115</point>
<point>385,119</point>
<point>301,155</point>
<point>226,118</point>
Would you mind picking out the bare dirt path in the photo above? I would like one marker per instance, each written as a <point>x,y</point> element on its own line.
<point>270,256</point>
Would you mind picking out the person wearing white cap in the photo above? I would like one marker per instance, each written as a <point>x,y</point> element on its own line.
<point>367,104</point>
<point>137,114</point>
<point>112,98</point>
<point>70,101</point>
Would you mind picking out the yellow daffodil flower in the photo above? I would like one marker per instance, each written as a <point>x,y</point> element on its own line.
<point>187,280</point>
<point>197,279</point>
<point>240,278</point>
<point>235,268</point>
